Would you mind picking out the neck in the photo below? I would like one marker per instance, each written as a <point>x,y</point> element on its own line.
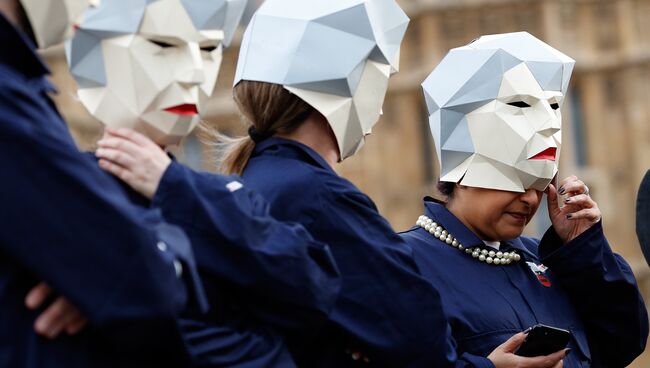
<point>316,134</point>
<point>457,208</point>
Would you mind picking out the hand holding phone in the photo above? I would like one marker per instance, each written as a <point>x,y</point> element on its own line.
<point>543,340</point>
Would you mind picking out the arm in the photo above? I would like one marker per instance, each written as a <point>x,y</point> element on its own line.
<point>72,227</point>
<point>235,239</point>
<point>274,265</point>
<point>234,344</point>
<point>600,283</point>
<point>603,289</point>
<point>394,324</point>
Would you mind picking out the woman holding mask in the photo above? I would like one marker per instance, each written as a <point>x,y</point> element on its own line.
<point>496,124</point>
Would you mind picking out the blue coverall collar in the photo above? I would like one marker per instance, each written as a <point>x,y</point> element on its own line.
<point>292,149</point>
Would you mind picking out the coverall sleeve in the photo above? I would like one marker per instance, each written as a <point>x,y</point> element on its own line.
<point>69,224</point>
<point>291,280</point>
<point>603,289</point>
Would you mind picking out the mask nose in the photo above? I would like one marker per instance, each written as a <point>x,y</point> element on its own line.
<point>553,122</point>
<point>192,74</point>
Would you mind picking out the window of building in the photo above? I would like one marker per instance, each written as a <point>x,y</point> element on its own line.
<point>577,126</point>
<point>605,25</point>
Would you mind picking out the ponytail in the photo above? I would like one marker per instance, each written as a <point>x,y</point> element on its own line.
<point>266,109</point>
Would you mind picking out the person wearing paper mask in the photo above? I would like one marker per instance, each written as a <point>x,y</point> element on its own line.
<point>336,57</point>
<point>310,100</point>
<point>67,223</point>
<point>495,118</point>
<point>147,77</point>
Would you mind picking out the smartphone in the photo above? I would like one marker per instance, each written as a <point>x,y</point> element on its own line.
<point>543,340</point>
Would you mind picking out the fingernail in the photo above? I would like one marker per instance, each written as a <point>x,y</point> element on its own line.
<point>569,216</point>
<point>567,352</point>
<point>567,200</point>
<point>561,191</point>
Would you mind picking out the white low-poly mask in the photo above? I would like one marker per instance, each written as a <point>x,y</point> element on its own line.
<point>494,110</point>
<point>52,20</point>
<point>152,65</point>
<point>336,55</point>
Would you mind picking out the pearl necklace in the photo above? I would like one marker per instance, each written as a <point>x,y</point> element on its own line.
<point>483,255</point>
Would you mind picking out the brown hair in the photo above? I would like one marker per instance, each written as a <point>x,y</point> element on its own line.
<point>267,108</point>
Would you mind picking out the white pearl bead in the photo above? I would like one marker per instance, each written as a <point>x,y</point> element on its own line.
<point>483,255</point>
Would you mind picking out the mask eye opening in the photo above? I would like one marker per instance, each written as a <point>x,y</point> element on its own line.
<point>519,104</point>
<point>555,106</point>
<point>208,48</point>
<point>161,44</point>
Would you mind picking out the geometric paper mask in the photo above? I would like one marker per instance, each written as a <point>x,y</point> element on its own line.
<point>336,55</point>
<point>52,20</point>
<point>151,65</point>
<point>494,112</point>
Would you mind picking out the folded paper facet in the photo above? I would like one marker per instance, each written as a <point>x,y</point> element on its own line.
<point>336,55</point>
<point>52,20</point>
<point>151,65</point>
<point>494,112</point>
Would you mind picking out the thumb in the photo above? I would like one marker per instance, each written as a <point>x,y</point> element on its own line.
<point>552,199</point>
<point>513,343</point>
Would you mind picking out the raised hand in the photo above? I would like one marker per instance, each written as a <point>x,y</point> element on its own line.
<point>579,213</point>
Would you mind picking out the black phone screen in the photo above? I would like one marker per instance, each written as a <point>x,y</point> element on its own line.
<point>543,340</point>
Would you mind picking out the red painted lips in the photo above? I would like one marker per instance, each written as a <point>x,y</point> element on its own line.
<point>547,154</point>
<point>186,109</point>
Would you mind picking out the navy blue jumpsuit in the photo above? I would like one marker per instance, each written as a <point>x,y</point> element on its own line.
<point>386,314</point>
<point>66,222</point>
<point>581,286</point>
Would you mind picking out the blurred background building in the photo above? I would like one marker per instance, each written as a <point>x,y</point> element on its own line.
<point>606,117</point>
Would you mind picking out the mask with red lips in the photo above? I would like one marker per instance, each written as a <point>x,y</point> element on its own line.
<point>151,65</point>
<point>495,112</point>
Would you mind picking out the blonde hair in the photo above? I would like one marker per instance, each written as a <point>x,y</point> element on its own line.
<point>269,109</point>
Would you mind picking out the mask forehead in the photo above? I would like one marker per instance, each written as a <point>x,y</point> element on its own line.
<point>333,54</point>
<point>494,112</point>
